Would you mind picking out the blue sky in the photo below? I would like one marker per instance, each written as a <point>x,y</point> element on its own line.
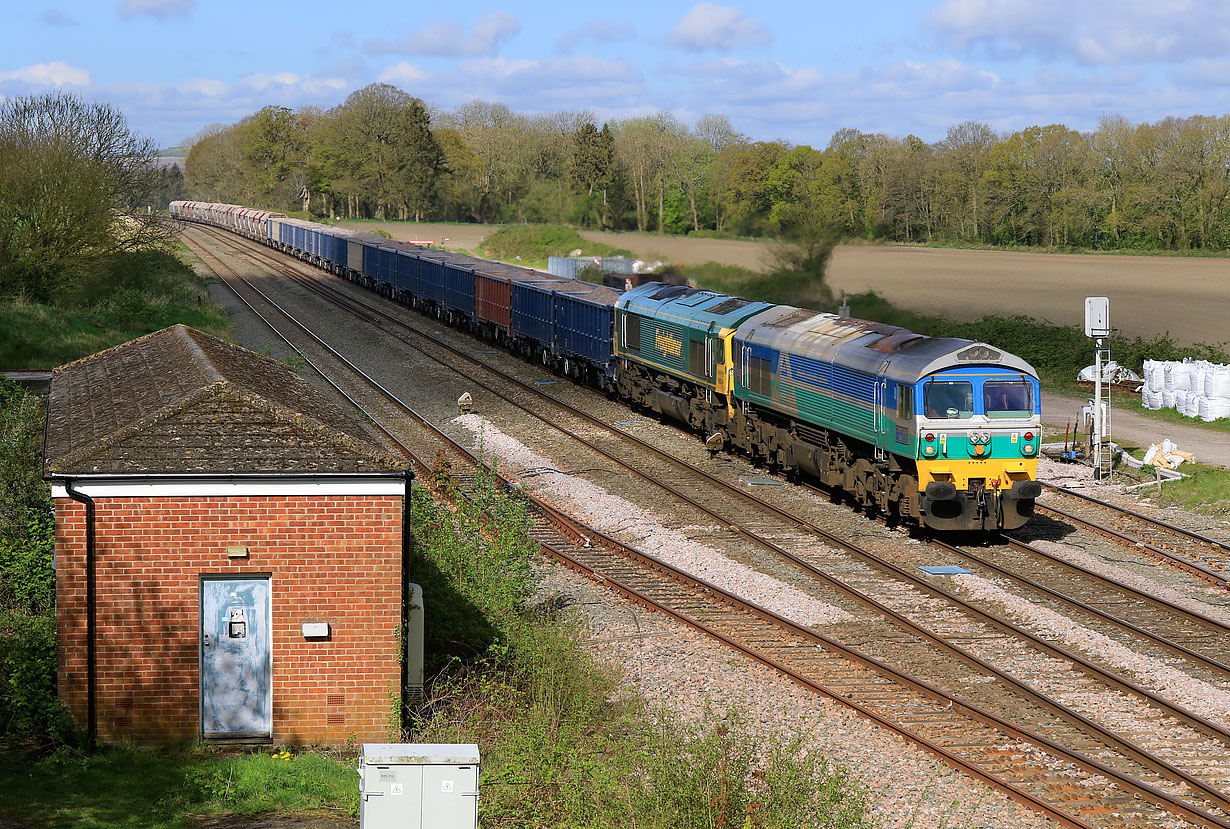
<point>797,71</point>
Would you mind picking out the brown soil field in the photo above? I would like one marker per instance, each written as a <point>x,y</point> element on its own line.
<point>1187,297</point>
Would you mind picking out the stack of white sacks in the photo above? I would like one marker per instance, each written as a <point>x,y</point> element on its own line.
<point>1197,389</point>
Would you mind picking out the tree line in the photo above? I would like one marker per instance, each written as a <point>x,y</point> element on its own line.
<point>383,153</point>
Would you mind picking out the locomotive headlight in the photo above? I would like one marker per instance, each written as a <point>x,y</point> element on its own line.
<point>1028,449</point>
<point>928,450</point>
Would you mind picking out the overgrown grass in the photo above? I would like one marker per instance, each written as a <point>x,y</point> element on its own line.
<point>146,789</point>
<point>535,243</point>
<point>155,289</point>
<point>562,743</point>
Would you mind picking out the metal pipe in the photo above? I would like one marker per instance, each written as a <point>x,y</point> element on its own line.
<point>91,614</point>
<point>405,593</point>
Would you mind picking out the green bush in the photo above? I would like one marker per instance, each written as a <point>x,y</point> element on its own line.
<point>27,580</point>
<point>29,707</point>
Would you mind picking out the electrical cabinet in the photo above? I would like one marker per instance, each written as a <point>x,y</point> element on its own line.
<point>418,786</point>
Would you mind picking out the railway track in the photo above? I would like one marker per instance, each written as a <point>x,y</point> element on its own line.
<point>1185,550</point>
<point>1139,771</point>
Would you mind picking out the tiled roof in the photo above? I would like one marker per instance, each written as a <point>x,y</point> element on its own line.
<point>182,401</point>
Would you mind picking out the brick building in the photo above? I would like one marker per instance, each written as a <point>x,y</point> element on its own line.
<point>230,559</point>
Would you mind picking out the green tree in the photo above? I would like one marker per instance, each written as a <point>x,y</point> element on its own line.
<point>70,172</point>
<point>380,150</point>
<point>593,170</point>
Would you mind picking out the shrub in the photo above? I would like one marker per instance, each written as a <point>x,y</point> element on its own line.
<point>29,707</point>
<point>27,580</point>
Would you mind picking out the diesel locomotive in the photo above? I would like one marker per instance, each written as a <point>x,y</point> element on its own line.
<point>941,432</point>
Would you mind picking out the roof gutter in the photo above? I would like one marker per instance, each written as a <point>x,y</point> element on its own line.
<point>220,476</point>
<point>91,612</point>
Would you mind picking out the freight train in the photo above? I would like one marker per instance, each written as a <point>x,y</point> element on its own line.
<point>941,432</point>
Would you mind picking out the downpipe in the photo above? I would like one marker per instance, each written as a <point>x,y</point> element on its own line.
<point>91,613</point>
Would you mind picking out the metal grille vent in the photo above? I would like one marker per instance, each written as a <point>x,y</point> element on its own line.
<point>335,719</point>
<point>787,320</point>
<point>729,306</point>
<point>335,699</point>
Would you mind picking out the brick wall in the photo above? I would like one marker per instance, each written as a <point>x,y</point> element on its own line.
<point>333,558</point>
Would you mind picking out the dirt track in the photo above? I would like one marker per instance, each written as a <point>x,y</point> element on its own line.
<point>1188,297</point>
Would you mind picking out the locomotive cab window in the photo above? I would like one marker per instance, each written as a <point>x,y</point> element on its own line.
<point>632,332</point>
<point>759,376</point>
<point>905,402</point>
<point>696,358</point>
<point>949,399</point>
<point>1008,399</point>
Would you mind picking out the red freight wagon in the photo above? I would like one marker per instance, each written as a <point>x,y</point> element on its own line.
<point>493,297</point>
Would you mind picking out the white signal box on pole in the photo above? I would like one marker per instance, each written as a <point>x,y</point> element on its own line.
<point>1097,316</point>
<point>1097,326</point>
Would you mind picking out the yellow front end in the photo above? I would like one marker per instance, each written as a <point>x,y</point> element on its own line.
<point>996,473</point>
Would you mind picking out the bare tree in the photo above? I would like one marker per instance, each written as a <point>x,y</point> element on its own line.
<point>73,182</point>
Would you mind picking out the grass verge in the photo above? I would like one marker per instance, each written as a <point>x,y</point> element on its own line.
<point>146,789</point>
<point>1206,489</point>
<point>155,289</point>
<point>535,243</point>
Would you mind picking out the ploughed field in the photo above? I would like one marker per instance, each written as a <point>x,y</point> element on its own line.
<point>1148,294</point>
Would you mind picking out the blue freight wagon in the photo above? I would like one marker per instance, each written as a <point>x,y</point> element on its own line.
<point>584,332</point>
<point>459,292</point>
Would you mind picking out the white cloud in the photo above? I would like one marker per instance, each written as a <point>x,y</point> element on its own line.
<point>1092,33</point>
<point>709,26</point>
<point>558,82</point>
<point>599,30</point>
<point>402,73</point>
<point>56,73</point>
<point>448,38</point>
<point>165,9</point>
<point>260,82</point>
<point>206,87</point>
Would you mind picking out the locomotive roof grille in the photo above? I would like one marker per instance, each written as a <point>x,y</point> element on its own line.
<point>729,306</point>
<point>795,316</point>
